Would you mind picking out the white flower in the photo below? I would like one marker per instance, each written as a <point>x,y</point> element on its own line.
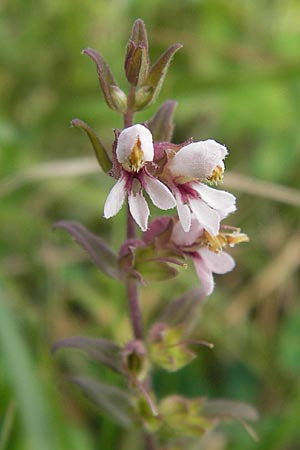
<point>184,174</point>
<point>206,260</point>
<point>134,150</point>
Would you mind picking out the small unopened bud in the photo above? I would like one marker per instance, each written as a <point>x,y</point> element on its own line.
<point>137,64</point>
<point>143,96</point>
<point>119,98</point>
<point>137,61</point>
<point>134,358</point>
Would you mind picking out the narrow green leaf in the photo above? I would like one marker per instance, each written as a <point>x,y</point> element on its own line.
<point>102,350</point>
<point>111,400</point>
<point>228,408</point>
<point>100,150</point>
<point>99,252</point>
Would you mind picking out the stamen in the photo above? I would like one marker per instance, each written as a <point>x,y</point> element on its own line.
<point>216,175</point>
<point>216,243</point>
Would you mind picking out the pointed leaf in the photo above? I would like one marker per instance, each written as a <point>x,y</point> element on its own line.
<point>102,350</point>
<point>111,400</point>
<point>162,125</point>
<point>223,408</point>
<point>157,75</point>
<point>228,409</point>
<point>99,252</point>
<point>100,150</point>
<point>105,76</point>
<point>182,311</point>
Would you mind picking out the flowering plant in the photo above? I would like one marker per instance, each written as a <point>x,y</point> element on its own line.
<point>144,160</point>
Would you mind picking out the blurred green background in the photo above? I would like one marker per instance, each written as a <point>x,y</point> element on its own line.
<point>236,80</point>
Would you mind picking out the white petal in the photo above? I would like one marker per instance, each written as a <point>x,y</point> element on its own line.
<point>196,161</point>
<point>127,140</point>
<point>115,198</point>
<point>205,275</point>
<point>160,195</point>
<point>185,216</point>
<point>220,262</point>
<point>139,209</point>
<point>181,238</point>
<point>221,200</point>
<point>206,216</point>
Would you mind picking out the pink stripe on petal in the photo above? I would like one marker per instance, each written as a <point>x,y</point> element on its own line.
<point>115,198</point>
<point>219,263</point>
<point>205,275</point>
<point>160,195</point>
<point>206,216</point>
<point>139,209</point>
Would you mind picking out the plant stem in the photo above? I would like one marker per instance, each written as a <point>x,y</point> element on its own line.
<point>134,309</point>
<point>132,285</point>
<point>150,443</point>
<point>132,288</point>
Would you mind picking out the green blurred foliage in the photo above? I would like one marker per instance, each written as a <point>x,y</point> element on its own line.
<point>237,81</point>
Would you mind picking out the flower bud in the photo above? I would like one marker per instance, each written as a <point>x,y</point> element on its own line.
<point>143,96</point>
<point>137,56</point>
<point>119,98</point>
<point>134,358</point>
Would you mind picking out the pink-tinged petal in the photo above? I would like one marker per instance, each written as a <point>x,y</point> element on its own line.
<point>139,209</point>
<point>206,216</point>
<point>205,274</point>
<point>157,227</point>
<point>128,139</point>
<point>196,161</point>
<point>181,238</point>
<point>160,195</point>
<point>220,200</point>
<point>115,198</point>
<point>219,263</point>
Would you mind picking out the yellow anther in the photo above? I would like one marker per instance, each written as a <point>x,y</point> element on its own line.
<point>136,158</point>
<point>216,243</point>
<point>216,175</point>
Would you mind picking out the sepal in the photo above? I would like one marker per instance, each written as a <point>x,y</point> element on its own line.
<point>148,261</point>
<point>135,360</point>
<point>148,92</point>
<point>107,81</point>
<point>162,125</point>
<point>100,150</point>
<point>167,349</point>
